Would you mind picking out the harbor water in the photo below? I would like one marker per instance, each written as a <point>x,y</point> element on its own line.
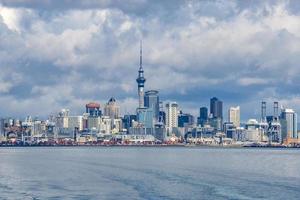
<point>149,173</point>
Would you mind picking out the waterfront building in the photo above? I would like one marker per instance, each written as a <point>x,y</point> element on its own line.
<point>151,100</point>
<point>229,129</point>
<point>171,115</point>
<point>111,109</point>
<point>253,133</point>
<point>234,116</point>
<point>240,134</point>
<point>288,120</point>
<point>38,128</point>
<point>2,126</point>
<point>160,132</point>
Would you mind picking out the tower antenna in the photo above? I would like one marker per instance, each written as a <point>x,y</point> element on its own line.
<point>141,54</point>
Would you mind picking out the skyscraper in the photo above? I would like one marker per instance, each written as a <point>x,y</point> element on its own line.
<point>234,116</point>
<point>216,108</point>
<point>93,109</point>
<point>145,117</point>
<point>171,115</point>
<point>288,121</point>
<point>216,112</point>
<point>203,116</point>
<point>151,100</point>
<point>141,80</point>
<point>111,109</point>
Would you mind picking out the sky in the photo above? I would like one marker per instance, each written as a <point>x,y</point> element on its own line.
<point>64,54</point>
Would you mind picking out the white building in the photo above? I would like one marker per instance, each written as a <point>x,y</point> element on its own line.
<point>105,125</point>
<point>94,123</point>
<point>234,116</point>
<point>171,115</point>
<point>62,119</point>
<point>38,127</point>
<point>75,121</point>
<point>253,133</point>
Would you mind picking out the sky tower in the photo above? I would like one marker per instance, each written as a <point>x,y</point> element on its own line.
<point>141,80</point>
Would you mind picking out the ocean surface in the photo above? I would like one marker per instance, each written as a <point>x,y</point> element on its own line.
<point>149,173</point>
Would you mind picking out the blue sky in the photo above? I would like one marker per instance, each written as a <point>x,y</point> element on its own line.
<point>63,54</point>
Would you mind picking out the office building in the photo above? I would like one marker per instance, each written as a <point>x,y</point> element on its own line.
<point>234,116</point>
<point>128,121</point>
<point>151,100</point>
<point>288,120</point>
<point>111,109</point>
<point>216,108</point>
<point>216,113</point>
<point>75,122</point>
<point>145,117</point>
<point>93,109</point>
<point>171,115</point>
<point>203,117</point>
<point>93,123</point>
<point>229,129</point>
<point>185,119</point>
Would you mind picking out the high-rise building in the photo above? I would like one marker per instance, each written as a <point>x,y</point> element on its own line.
<point>234,116</point>
<point>2,125</point>
<point>288,120</point>
<point>185,119</point>
<point>145,117</point>
<point>203,117</point>
<point>62,120</point>
<point>93,109</point>
<point>216,113</point>
<point>141,80</point>
<point>111,109</point>
<point>93,123</point>
<point>105,125</point>
<point>75,122</point>
<point>127,121</point>
<point>216,108</point>
<point>151,100</point>
<point>171,115</point>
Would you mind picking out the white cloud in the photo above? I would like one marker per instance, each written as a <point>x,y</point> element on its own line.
<point>69,56</point>
<point>252,81</point>
<point>10,18</point>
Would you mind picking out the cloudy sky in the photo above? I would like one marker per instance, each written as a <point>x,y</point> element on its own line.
<point>63,54</point>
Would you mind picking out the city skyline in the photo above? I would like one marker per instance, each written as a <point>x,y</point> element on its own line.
<point>61,60</point>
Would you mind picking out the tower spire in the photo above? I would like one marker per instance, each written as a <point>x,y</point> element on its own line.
<point>141,79</point>
<point>141,54</point>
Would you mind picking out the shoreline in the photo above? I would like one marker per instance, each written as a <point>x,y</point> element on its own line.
<point>155,146</point>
